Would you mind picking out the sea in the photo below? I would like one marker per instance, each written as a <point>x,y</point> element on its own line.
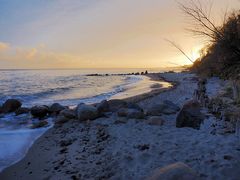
<point>67,87</point>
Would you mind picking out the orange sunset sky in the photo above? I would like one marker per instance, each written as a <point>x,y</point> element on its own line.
<point>97,33</point>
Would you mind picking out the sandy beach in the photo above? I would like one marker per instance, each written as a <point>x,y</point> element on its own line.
<point>119,147</point>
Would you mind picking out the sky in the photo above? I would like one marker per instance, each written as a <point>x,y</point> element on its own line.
<point>96,33</point>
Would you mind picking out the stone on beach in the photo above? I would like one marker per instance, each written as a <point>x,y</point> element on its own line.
<point>134,106</point>
<point>131,113</point>
<point>56,108</point>
<point>68,113</point>
<point>39,111</point>
<point>11,105</point>
<point>61,120</point>
<point>22,110</point>
<point>1,110</point>
<point>39,124</point>
<point>155,121</point>
<point>103,106</point>
<point>190,115</point>
<point>166,107</point>
<point>116,104</point>
<point>86,112</point>
<point>177,171</point>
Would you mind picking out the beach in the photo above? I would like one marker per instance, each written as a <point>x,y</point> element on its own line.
<point>120,147</point>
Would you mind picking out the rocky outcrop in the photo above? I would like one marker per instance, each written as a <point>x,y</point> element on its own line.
<point>166,107</point>
<point>39,111</point>
<point>22,110</point>
<point>86,112</point>
<point>190,115</point>
<point>56,108</point>
<point>11,105</point>
<point>177,171</point>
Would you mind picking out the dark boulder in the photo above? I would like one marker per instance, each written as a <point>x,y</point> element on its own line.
<point>166,107</point>
<point>39,111</point>
<point>135,114</point>
<point>135,106</point>
<point>11,105</point>
<point>130,113</point>
<point>86,112</point>
<point>22,110</point>
<point>116,104</point>
<point>61,120</point>
<point>56,108</point>
<point>1,110</point>
<point>39,124</point>
<point>103,106</point>
<point>155,121</point>
<point>190,115</point>
<point>68,113</point>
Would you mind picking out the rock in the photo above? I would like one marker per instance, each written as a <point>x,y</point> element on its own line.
<point>130,113</point>
<point>1,110</point>
<point>39,111</point>
<point>22,110</point>
<point>177,171</point>
<point>39,124</point>
<point>68,113</point>
<point>86,112</point>
<point>11,105</point>
<point>61,120</point>
<point>135,114</point>
<point>155,121</point>
<point>134,106</point>
<point>190,115</point>
<point>103,106</point>
<point>123,112</point>
<point>56,108</point>
<point>167,107</point>
<point>116,104</point>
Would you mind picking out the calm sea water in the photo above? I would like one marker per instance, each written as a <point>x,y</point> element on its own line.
<point>68,87</point>
<point>65,86</point>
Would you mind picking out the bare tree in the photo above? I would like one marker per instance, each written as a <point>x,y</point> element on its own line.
<point>180,49</point>
<point>202,23</point>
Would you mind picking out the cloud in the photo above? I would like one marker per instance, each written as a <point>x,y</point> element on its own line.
<point>32,53</point>
<point>39,57</point>
<point>3,46</point>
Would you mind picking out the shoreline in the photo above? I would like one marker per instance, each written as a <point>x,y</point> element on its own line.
<point>154,92</point>
<point>153,77</point>
<point>135,99</point>
<point>120,147</point>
